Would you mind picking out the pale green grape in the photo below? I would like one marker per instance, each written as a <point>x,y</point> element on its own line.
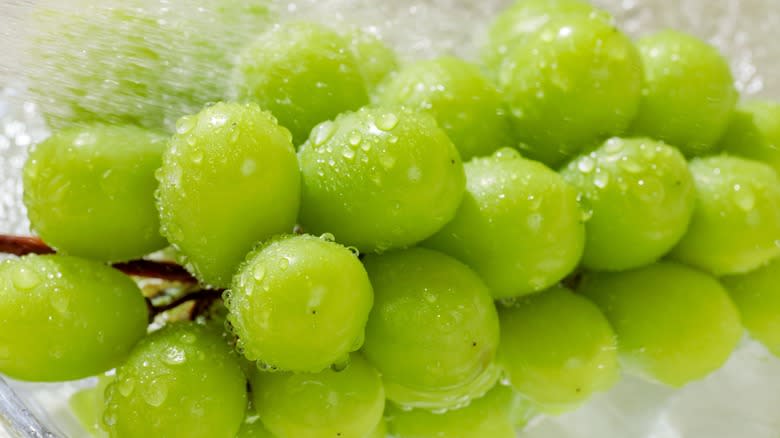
<point>299,303</point>
<point>639,196</point>
<point>181,381</point>
<point>433,330</point>
<point>346,404</point>
<point>575,82</point>
<point>229,179</point>
<point>519,225</point>
<point>757,297</point>
<point>465,104</point>
<point>87,407</point>
<point>304,73</point>
<point>380,431</point>
<point>557,348</point>
<point>754,132</point>
<point>688,92</point>
<point>736,221</point>
<point>254,429</point>
<point>135,61</point>
<point>487,416</point>
<point>375,59</point>
<point>379,178</point>
<point>89,191</point>
<point>66,318</point>
<point>518,22</point>
<point>674,324</point>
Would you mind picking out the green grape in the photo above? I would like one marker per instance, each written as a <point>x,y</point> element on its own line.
<point>519,225</point>
<point>487,416</point>
<point>299,303</point>
<point>87,407</point>
<point>757,297</point>
<point>304,73</point>
<point>465,104</point>
<point>66,318</point>
<point>375,59</point>
<point>254,428</point>
<point>347,403</point>
<point>557,348</point>
<point>639,196</point>
<point>181,381</point>
<point>433,330</point>
<point>89,191</point>
<point>674,324</point>
<point>575,82</point>
<point>229,179</point>
<point>379,179</point>
<point>754,132</point>
<point>736,221</point>
<point>518,22</point>
<point>143,62</point>
<point>380,431</point>
<point>688,92</point>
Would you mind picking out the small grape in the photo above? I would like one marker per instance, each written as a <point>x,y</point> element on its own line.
<point>754,132</point>
<point>89,191</point>
<point>229,179</point>
<point>141,62</point>
<point>736,221</point>
<point>674,324</point>
<point>487,416</point>
<point>465,104</point>
<point>346,404</point>
<point>513,26</point>
<point>66,318</point>
<point>304,73</point>
<point>375,59</point>
<point>379,178</point>
<point>300,303</point>
<point>639,196</point>
<point>519,225</point>
<point>757,297</point>
<point>688,92</point>
<point>181,381</point>
<point>433,330</point>
<point>557,348</point>
<point>575,82</point>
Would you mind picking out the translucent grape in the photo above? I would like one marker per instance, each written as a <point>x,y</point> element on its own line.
<point>379,179</point>
<point>89,191</point>
<point>135,61</point>
<point>674,324</point>
<point>433,331</point>
<point>465,104</point>
<point>375,59</point>
<point>688,92</point>
<point>557,348</point>
<point>300,303</point>
<point>229,179</point>
<point>518,22</point>
<point>304,73</point>
<point>754,132</point>
<point>575,82</point>
<point>487,416</point>
<point>519,225</point>
<point>346,404</point>
<point>736,222</point>
<point>757,297</point>
<point>66,318</point>
<point>181,381</point>
<point>639,196</point>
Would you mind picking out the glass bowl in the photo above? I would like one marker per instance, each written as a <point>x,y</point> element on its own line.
<point>740,399</point>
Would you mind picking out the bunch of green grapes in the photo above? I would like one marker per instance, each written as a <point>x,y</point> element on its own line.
<point>480,245</point>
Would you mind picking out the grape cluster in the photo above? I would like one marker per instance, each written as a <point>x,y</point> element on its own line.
<point>433,249</point>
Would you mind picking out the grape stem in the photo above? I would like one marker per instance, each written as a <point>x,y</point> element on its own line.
<point>23,245</point>
<point>201,295</point>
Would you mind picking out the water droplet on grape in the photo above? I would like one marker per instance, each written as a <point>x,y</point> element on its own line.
<point>354,138</point>
<point>328,237</point>
<point>174,356</point>
<point>155,393</point>
<point>586,164</point>
<point>25,279</point>
<point>744,197</point>
<point>340,364</point>
<point>258,272</point>
<point>284,262</point>
<point>601,180</point>
<point>387,121</point>
<point>185,124</point>
<point>126,386</point>
<point>323,132</point>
